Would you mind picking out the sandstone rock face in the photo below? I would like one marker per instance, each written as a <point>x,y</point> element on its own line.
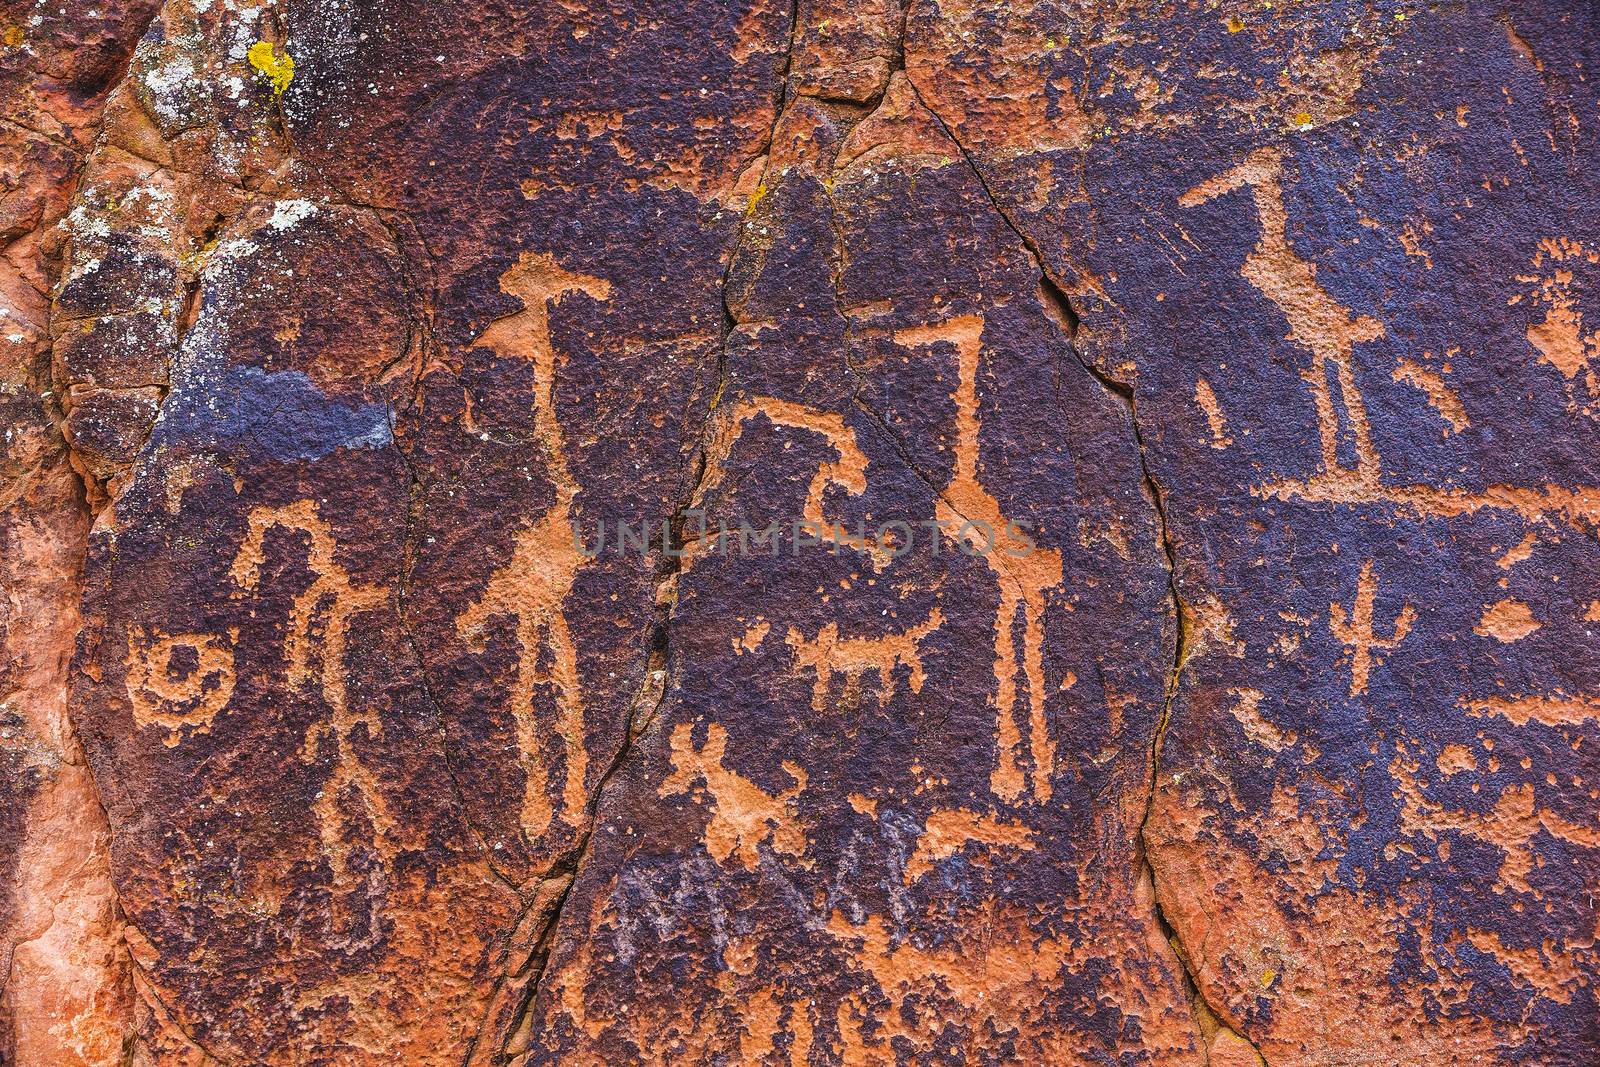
<point>940,532</point>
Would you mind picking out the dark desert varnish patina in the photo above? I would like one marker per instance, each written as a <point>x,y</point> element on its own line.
<point>1260,727</point>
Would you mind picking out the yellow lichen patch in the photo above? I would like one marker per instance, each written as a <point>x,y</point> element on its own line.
<point>756,197</point>
<point>1235,23</point>
<point>13,36</point>
<point>1507,621</point>
<point>277,66</point>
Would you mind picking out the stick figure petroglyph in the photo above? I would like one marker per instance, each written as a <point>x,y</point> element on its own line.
<point>320,622</point>
<point>533,587</point>
<point>1023,570</point>
<point>1316,320</point>
<point>1328,330</point>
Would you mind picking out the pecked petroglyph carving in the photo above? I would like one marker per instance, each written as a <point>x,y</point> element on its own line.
<point>534,585</point>
<point>1559,337</point>
<point>183,698</point>
<point>1326,328</point>
<point>1512,825</point>
<point>1317,321</point>
<point>1206,398</point>
<point>1507,621</point>
<point>532,588</point>
<point>997,983</point>
<point>1356,630</point>
<point>743,816</point>
<point>948,831</point>
<point>1023,570</point>
<point>848,471</point>
<point>1439,395</point>
<point>540,283</point>
<point>830,655</point>
<point>320,622</point>
<point>1549,709</point>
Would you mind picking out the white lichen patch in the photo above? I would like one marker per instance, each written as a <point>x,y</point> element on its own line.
<point>82,268</point>
<point>289,213</point>
<point>81,224</point>
<point>167,84</point>
<point>242,34</point>
<point>235,248</point>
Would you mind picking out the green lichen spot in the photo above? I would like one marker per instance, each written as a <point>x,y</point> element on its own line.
<point>277,66</point>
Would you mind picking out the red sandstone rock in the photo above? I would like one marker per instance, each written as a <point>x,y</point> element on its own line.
<point>1174,424</point>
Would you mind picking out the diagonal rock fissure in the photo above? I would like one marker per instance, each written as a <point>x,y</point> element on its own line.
<point>145,988</point>
<point>1059,304</point>
<point>729,322</point>
<point>652,691</point>
<point>565,872</point>
<point>642,712</point>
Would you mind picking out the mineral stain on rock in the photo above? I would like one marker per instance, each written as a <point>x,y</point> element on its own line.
<point>1191,657</point>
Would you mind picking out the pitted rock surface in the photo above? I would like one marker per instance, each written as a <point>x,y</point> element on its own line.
<point>889,532</point>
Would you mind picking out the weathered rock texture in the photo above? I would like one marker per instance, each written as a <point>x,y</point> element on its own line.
<point>1264,338</point>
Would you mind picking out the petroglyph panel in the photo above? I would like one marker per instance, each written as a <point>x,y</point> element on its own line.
<point>1102,510</point>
